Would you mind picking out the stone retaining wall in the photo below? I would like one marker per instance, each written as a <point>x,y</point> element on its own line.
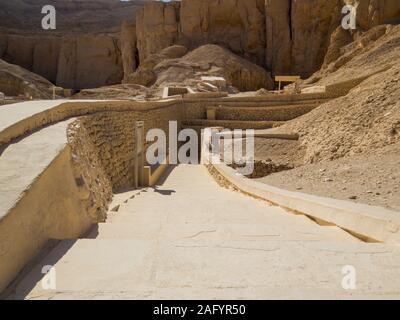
<point>112,135</point>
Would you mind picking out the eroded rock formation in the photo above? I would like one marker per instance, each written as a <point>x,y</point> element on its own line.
<point>83,52</point>
<point>173,67</point>
<point>285,36</point>
<point>16,81</point>
<point>86,51</point>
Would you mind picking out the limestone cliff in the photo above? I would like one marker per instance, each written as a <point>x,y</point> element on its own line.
<point>90,48</point>
<point>83,52</point>
<point>285,36</point>
<point>17,81</point>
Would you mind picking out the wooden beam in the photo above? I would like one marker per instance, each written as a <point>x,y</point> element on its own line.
<point>287,78</point>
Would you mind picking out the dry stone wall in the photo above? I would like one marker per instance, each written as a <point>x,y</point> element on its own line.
<point>112,136</point>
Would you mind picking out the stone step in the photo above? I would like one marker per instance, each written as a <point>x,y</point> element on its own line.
<point>217,269</point>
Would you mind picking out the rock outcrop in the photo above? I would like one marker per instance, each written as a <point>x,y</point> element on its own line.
<point>233,24</point>
<point>285,36</point>
<point>83,52</point>
<point>16,81</point>
<point>167,68</point>
<point>145,75</point>
<point>86,51</point>
<point>128,48</point>
<point>75,62</point>
<point>368,117</point>
<point>89,62</point>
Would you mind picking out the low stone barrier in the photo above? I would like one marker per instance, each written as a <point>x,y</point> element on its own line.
<point>371,224</point>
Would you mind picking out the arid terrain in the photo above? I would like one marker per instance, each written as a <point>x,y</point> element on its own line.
<point>165,45</point>
<point>349,147</point>
<point>78,106</point>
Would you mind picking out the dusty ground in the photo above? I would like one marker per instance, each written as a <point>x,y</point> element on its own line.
<point>349,148</point>
<point>373,179</point>
<point>279,151</point>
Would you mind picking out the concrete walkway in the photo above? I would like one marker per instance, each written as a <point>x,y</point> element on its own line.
<point>16,112</point>
<point>13,113</point>
<point>21,163</point>
<point>191,239</point>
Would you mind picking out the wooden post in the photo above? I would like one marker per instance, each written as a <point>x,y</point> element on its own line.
<point>139,154</point>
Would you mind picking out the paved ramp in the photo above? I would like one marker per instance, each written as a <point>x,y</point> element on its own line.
<point>191,239</point>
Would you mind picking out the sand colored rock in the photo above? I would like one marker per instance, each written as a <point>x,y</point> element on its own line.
<point>237,25</point>
<point>207,60</point>
<point>371,13</point>
<point>239,72</point>
<point>128,48</point>
<point>285,36</point>
<point>16,81</point>
<point>157,27</point>
<point>312,22</point>
<point>278,36</point>
<point>89,62</point>
<point>75,62</point>
<point>80,24</point>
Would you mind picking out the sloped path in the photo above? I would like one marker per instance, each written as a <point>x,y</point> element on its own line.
<point>189,238</point>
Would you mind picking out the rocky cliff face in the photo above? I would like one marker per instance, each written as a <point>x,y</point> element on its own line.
<point>87,50</point>
<point>237,25</point>
<point>285,36</point>
<point>16,81</point>
<point>83,52</point>
<point>77,62</point>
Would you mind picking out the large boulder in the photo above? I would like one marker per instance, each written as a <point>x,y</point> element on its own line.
<point>160,70</point>
<point>17,81</point>
<point>145,74</point>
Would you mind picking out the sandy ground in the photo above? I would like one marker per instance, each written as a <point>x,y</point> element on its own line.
<point>372,179</point>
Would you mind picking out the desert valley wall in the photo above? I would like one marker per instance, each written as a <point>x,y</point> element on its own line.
<point>283,36</point>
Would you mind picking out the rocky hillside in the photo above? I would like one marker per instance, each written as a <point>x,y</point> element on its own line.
<point>176,66</point>
<point>90,49</point>
<point>73,16</point>
<point>369,116</point>
<point>285,36</point>
<point>349,147</point>
<point>83,52</point>
<point>16,81</point>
